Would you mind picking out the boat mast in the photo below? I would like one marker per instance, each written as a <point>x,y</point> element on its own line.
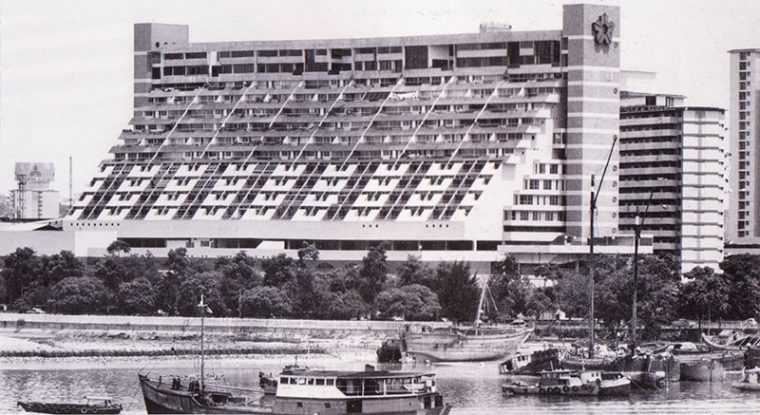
<point>202,305</point>
<point>592,265</point>
<point>480,303</point>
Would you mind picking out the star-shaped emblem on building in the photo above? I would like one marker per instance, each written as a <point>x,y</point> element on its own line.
<point>603,29</point>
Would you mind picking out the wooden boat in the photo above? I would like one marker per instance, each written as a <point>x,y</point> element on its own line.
<point>571,383</point>
<point>709,367</point>
<point>305,391</point>
<point>646,371</point>
<point>750,380</point>
<point>469,343</point>
<point>298,391</point>
<point>92,405</point>
<point>534,363</point>
<point>733,341</point>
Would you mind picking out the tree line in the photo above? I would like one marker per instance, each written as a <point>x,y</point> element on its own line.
<point>304,287</point>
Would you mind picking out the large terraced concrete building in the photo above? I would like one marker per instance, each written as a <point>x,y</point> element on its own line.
<point>462,146</point>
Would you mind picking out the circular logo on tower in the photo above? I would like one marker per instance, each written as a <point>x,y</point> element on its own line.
<point>603,28</point>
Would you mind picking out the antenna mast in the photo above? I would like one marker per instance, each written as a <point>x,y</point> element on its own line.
<point>202,305</point>
<point>71,187</point>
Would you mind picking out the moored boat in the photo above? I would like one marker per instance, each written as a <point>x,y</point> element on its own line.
<point>710,367</point>
<point>750,380</point>
<point>482,343</point>
<point>297,391</point>
<point>531,364</point>
<point>646,371</point>
<point>466,343</point>
<point>571,383</point>
<point>92,405</point>
<point>305,391</point>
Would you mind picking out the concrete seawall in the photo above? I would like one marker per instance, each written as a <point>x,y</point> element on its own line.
<point>262,328</point>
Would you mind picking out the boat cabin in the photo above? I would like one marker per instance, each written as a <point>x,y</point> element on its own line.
<point>340,384</point>
<point>105,401</point>
<point>516,362</point>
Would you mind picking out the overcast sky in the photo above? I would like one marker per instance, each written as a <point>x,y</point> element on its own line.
<point>66,66</point>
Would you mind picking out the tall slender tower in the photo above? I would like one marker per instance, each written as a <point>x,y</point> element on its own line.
<point>744,210</point>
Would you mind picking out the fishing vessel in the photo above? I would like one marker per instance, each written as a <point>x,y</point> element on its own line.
<point>298,391</point>
<point>466,343</point>
<point>306,391</point>
<point>92,405</point>
<point>571,383</point>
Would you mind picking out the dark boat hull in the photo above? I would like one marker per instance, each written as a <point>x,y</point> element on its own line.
<point>68,408</point>
<point>710,368</point>
<point>162,400</point>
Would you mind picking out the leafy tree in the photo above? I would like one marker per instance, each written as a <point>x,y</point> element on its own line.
<point>374,272</point>
<point>413,302</point>
<point>307,252</point>
<point>572,292</point>
<point>344,305</point>
<point>743,274</point>
<point>278,270</point>
<point>458,292</point>
<point>414,271</point>
<point>304,294</point>
<point>136,297</point>
<point>114,270</point>
<point>705,295</point>
<point>657,299</point>
<point>61,265</point>
<point>79,295</point>
<point>265,302</point>
<point>180,270</point>
<point>21,272</point>
<point>237,275</point>
<point>538,302</point>
<point>189,294</point>
<point>515,298</point>
<point>118,247</point>
<point>342,280</point>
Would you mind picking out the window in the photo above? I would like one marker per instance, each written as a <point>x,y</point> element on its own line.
<point>547,185</point>
<point>416,57</point>
<point>195,55</point>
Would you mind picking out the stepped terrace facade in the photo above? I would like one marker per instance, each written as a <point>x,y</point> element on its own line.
<point>460,146</point>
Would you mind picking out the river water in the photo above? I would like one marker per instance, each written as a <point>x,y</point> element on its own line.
<point>472,388</point>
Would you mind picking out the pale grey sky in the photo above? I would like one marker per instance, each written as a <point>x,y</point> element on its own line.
<point>66,65</point>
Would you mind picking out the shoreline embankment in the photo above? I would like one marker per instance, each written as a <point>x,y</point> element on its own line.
<point>64,336</point>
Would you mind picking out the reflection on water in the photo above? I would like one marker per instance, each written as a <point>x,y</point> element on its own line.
<point>473,388</point>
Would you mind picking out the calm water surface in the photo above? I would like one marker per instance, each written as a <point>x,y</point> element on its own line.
<point>473,388</point>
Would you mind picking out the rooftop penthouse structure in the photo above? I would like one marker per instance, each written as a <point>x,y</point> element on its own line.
<point>462,146</point>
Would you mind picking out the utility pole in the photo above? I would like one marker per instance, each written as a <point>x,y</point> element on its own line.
<point>71,187</point>
<point>592,271</point>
